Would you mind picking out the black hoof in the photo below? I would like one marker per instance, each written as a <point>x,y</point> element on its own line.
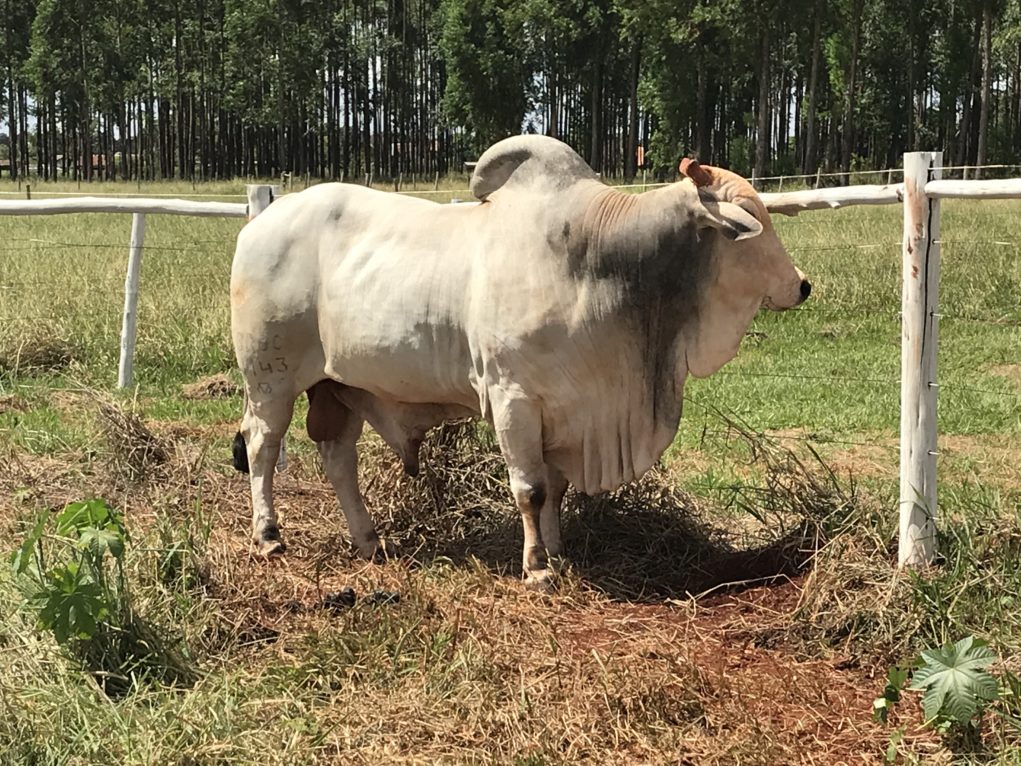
<point>338,601</point>
<point>269,542</point>
<point>272,548</point>
<point>383,598</point>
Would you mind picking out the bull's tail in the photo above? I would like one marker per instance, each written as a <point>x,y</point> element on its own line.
<point>239,448</point>
<point>240,453</point>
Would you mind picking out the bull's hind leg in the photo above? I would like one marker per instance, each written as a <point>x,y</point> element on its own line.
<point>264,424</point>
<point>335,430</point>
<point>518,425</point>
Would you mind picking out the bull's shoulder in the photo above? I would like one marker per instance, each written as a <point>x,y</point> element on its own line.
<point>528,163</point>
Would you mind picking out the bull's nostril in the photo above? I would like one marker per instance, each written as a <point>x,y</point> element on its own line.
<point>806,289</point>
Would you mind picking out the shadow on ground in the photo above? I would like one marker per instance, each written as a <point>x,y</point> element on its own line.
<point>645,542</point>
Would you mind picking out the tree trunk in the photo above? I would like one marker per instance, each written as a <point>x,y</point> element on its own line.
<point>179,92</point>
<point>811,163</point>
<point>630,154</point>
<point>701,116</point>
<point>762,129</point>
<point>554,105</point>
<point>40,139</point>
<point>847,124</point>
<point>12,120</point>
<point>1015,123</point>
<point>596,145</point>
<point>53,137</point>
<point>85,110</point>
<point>987,88</point>
<point>964,133</point>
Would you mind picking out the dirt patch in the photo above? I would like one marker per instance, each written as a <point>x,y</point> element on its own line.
<point>868,455</point>
<point>69,401</point>
<point>712,670</point>
<point>801,710</point>
<point>199,435</point>
<point>989,459</point>
<point>874,461</point>
<point>30,482</point>
<point>213,387</point>
<point>1010,372</point>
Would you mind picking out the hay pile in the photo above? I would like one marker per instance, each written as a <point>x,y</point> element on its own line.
<point>43,350</point>
<point>134,453</point>
<point>212,387</point>
<point>647,540</point>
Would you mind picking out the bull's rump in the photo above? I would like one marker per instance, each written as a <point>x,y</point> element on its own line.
<point>360,286</point>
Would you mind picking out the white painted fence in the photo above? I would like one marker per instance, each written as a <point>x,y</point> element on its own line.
<point>920,194</point>
<point>258,198</point>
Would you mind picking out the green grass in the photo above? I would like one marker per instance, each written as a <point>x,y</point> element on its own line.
<point>469,658</point>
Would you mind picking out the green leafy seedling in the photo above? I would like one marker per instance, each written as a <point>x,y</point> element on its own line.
<point>98,527</point>
<point>72,605</point>
<point>21,559</point>
<point>955,682</point>
<point>73,594</point>
<point>896,677</point>
<point>893,746</point>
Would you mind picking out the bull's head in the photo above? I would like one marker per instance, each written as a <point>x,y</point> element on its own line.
<point>756,264</point>
<point>751,268</point>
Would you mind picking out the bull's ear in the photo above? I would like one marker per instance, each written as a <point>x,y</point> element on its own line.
<point>730,220</point>
<point>696,172</point>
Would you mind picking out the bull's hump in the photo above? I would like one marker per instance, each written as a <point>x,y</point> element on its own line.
<point>528,163</point>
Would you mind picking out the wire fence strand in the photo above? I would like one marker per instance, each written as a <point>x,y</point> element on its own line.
<point>804,376</point>
<point>106,246</point>
<point>953,387</point>
<point>811,439</point>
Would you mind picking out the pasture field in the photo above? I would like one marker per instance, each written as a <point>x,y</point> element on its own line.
<point>739,605</point>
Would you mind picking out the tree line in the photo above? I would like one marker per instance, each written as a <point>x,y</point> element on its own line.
<point>201,89</point>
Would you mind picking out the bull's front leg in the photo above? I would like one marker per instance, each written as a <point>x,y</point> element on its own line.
<point>549,517</point>
<point>518,425</point>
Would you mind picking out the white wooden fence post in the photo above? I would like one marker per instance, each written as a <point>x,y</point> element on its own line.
<point>919,346</point>
<point>126,368</point>
<point>260,197</point>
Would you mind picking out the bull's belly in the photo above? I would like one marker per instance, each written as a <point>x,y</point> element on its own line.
<point>406,378</point>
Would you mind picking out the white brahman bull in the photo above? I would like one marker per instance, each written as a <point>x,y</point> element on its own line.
<point>566,313</point>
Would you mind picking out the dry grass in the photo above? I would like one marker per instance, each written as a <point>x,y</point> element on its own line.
<point>135,453</point>
<point>13,403</point>
<point>211,387</point>
<point>43,350</point>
